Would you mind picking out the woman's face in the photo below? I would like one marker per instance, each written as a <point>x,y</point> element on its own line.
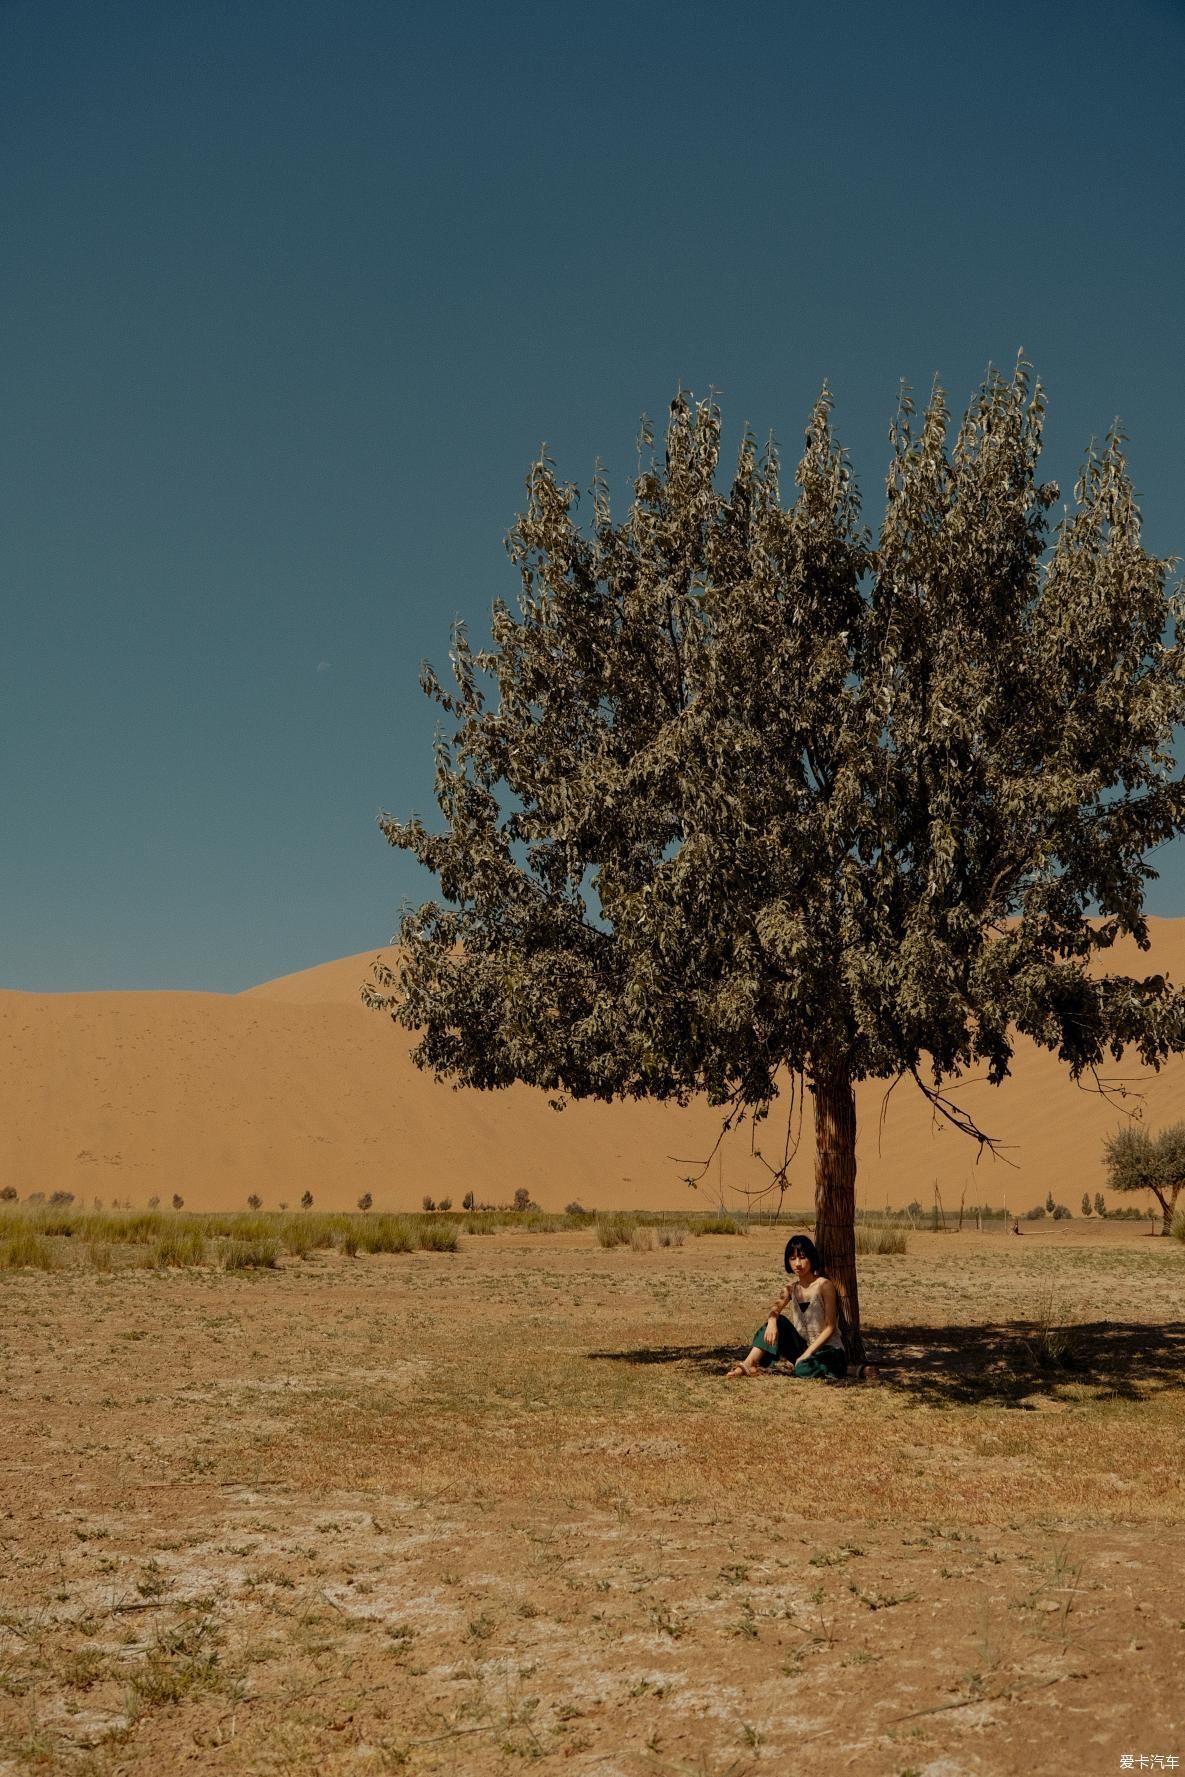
<point>801,1266</point>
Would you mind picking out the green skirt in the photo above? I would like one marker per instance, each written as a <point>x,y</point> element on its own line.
<point>829,1360</point>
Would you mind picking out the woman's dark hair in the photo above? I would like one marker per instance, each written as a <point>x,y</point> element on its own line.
<point>802,1246</point>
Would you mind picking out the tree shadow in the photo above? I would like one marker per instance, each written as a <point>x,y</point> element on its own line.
<point>1001,1363</point>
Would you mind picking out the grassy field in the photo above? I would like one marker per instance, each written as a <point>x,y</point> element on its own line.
<point>440,1511</point>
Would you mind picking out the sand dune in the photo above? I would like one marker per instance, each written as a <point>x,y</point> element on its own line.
<point>295,1086</point>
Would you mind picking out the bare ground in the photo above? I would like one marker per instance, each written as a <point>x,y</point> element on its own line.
<point>451,1513</point>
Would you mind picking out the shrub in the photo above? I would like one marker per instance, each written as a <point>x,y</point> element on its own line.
<point>1061,1213</point>
<point>8,1194</point>
<point>179,1247</point>
<point>671,1236</point>
<point>575,1209</point>
<point>880,1240</point>
<point>25,1249</point>
<point>1036,1214</point>
<point>348,1242</point>
<point>641,1240</point>
<point>250,1255</point>
<point>1178,1228</point>
<point>522,1198</point>
<point>386,1234</point>
<point>255,1202</point>
<point>153,1203</point>
<point>306,1201</point>
<point>468,1200</point>
<point>178,1200</point>
<point>365,1202</point>
<point>438,1237</point>
<point>428,1204</point>
<point>59,1199</point>
<point>614,1230</point>
<point>720,1224</point>
<point>98,1256</point>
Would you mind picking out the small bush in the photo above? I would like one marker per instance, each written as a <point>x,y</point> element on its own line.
<point>575,1209</point>
<point>98,1256</point>
<point>445,1204</point>
<point>250,1255</point>
<point>59,1199</point>
<point>522,1199</point>
<point>386,1234</point>
<point>428,1204</point>
<point>153,1203</point>
<point>720,1224</point>
<point>468,1201</point>
<point>255,1202</point>
<point>348,1242</point>
<point>306,1201</point>
<point>438,1237</point>
<point>8,1194</point>
<point>179,1247</point>
<point>178,1200</point>
<point>671,1236</point>
<point>641,1240</point>
<point>614,1230</point>
<point>365,1202</point>
<point>880,1240</point>
<point>1061,1213</point>
<point>1036,1214</point>
<point>1178,1228</point>
<point>26,1250</point>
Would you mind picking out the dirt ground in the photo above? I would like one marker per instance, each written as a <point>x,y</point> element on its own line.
<point>458,1513</point>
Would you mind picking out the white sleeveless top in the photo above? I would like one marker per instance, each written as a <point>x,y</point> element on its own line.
<point>806,1315</point>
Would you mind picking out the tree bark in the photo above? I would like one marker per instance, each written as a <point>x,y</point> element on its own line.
<point>835,1193</point>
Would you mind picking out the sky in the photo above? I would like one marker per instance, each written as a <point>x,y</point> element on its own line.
<point>293,292</point>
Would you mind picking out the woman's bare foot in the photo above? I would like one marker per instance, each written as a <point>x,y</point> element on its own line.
<point>743,1370</point>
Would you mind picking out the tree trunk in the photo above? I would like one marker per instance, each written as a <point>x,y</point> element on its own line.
<point>835,1193</point>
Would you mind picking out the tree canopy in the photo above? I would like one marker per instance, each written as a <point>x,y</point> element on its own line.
<point>1137,1160</point>
<point>741,792</point>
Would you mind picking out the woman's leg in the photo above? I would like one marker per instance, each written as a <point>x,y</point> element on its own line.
<point>777,1338</point>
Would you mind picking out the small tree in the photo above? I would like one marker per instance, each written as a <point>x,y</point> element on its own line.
<point>306,1201</point>
<point>1086,1209</point>
<point>154,1203</point>
<point>427,1204</point>
<point>366,1201</point>
<point>255,1201</point>
<point>1036,1214</point>
<point>468,1200</point>
<point>1100,1204</point>
<point>1050,1205</point>
<point>1139,1161</point>
<point>178,1200</point>
<point>522,1198</point>
<point>8,1194</point>
<point>1061,1213</point>
<point>761,798</point>
<point>446,1203</point>
<point>60,1199</point>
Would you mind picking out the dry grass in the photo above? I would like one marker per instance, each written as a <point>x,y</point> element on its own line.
<point>441,1517</point>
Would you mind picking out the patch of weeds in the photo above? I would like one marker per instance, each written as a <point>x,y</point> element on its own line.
<point>881,1600</point>
<point>668,1622</point>
<point>180,1663</point>
<point>480,1628</point>
<point>836,1557</point>
<point>251,1255</point>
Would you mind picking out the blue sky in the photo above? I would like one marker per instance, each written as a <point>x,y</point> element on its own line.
<point>293,291</point>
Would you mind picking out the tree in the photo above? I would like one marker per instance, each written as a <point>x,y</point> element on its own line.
<point>365,1202</point>
<point>255,1201</point>
<point>427,1204</point>
<point>1100,1205</point>
<point>468,1200</point>
<point>522,1198</point>
<point>743,797</point>
<point>1139,1161</point>
<point>1050,1205</point>
<point>306,1201</point>
<point>178,1200</point>
<point>8,1194</point>
<point>1086,1209</point>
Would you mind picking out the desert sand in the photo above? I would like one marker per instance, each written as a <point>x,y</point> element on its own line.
<point>295,1086</point>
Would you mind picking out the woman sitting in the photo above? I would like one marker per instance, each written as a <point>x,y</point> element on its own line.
<point>803,1325</point>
